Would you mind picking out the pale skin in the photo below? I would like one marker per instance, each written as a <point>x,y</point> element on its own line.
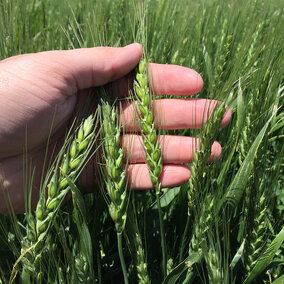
<point>38,88</point>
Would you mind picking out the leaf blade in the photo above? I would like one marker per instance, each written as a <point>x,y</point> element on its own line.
<point>176,273</point>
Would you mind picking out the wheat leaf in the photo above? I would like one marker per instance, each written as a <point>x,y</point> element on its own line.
<point>277,126</point>
<point>240,109</point>
<point>176,273</point>
<point>78,197</point>
<point>279,280</point>
<point>237,256</point>
<point>168,197</point>
<point>236,188</point>
<point>86,243</point>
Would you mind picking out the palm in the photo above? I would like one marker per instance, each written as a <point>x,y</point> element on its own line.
<point>37,98</point>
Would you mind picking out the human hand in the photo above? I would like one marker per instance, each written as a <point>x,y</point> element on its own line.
<point>39,89</point>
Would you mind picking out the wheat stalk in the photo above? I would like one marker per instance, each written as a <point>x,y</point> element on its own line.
<point>151,143</point>
<point>148,129</point>
<point>135,241</point>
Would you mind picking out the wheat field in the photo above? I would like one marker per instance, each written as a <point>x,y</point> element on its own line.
<point>225,224</point>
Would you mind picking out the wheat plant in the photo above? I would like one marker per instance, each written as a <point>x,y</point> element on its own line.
<point>225,225</point>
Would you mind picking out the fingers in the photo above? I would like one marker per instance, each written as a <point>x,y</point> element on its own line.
<point>100,65</point>
<point>164,80</point>
<point>172,175</point>
<point>174,80</point>
<point>175,149</point>
<point>175,114</point>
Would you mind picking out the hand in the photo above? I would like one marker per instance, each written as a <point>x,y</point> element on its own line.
<point>39,89</point>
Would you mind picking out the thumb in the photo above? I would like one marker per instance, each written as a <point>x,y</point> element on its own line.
<point>90,67</point>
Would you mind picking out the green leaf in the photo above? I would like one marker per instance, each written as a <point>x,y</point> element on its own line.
<point>78,197</point>
<point>265,259</point>
<point>236,188</point>
<point>238,256</point>
<point>85,236</point>
<point>279,280</point>
<point>176,273</point>
<point>168,197</point>
<point>279,123</point>
<point>208,68</point>
<point>240,109</point>
<point>86,245</point>
<point>277,126</point>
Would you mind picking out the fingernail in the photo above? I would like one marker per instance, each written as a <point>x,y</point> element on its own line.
<point>227,117</point>
<point>130,46</point>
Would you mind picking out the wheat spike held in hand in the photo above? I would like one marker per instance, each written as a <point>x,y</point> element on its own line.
<point>148,129</point>
<point>151,143</point>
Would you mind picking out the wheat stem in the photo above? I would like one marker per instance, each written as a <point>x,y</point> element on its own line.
<point>121,257</point>
<point>136,245</point>
<point>151,144</point>
<point>183,239</point>
<point>163,240</point>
